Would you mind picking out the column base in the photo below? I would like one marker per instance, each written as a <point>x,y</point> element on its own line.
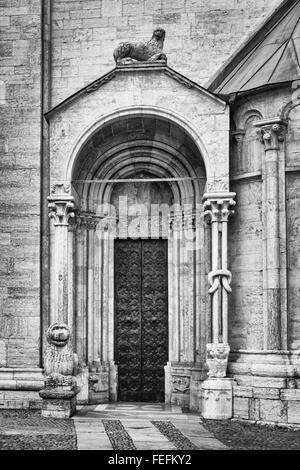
<point>217,398</point>
<point>99,385</point>
<point>59,402</point>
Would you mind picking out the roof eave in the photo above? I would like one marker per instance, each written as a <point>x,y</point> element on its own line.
<point>232,97</point>
<point>248,45</point>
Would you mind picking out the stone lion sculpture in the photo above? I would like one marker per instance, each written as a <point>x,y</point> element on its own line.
<point>60,362</point>
<point>151,51</point>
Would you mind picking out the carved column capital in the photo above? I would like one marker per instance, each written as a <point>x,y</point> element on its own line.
<point>218,207</point>
<point>87,221</point>
<point>176,221</point>
<point>61,203</point>
<point>271,133</point>
<point>238,135</point>
<point>61,210</point>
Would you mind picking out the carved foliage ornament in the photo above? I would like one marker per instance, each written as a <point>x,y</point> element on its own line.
<point>61,211</point>
<point>271,135</point>
<point>87,221</point>
<point>61,188</point>
<point>181,220</point>
<point>219,210</point>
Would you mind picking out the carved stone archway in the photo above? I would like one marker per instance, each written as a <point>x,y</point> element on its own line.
<point>184,149</point>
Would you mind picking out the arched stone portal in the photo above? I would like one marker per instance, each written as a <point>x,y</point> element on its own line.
<point>161,202</point>
<point>160,150</point>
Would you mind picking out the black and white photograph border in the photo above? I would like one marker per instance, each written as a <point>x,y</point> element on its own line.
<point>150,227</point>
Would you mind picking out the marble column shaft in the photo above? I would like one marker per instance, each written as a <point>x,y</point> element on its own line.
<point>61,210</point>
<point>271,134</point>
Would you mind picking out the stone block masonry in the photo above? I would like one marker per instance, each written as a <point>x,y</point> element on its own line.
<point>20,117</point>
<point>200,35</point>
<point>275,405</point>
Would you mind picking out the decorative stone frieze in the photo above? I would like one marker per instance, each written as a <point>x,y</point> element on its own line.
<point>98,83</point>
<point>183,220</point>
<point>87,221</point>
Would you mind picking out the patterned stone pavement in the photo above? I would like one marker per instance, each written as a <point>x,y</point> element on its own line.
<point>141,426</point>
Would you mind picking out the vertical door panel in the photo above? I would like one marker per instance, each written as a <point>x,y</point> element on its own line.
<point>141,309</point>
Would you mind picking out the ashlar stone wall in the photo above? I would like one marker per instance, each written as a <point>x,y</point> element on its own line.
<point>20,135</point>
<point>248,230</point>
<point>267,386</point>
<point>201,35</point>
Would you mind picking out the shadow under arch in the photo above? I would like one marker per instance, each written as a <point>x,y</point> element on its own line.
<point>130,113</point>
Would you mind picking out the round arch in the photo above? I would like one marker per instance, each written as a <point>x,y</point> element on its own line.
<point>138,111</point>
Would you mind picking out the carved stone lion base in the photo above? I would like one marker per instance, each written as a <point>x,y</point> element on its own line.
<point>217,398</point>
<point>59,402</point>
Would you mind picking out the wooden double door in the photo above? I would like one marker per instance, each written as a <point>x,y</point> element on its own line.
<point>141,318</point>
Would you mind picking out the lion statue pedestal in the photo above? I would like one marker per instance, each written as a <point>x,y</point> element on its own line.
<point>60,363</point>
<point>217,395</point>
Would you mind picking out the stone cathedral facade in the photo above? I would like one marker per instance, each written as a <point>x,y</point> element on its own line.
<point>151,203</point>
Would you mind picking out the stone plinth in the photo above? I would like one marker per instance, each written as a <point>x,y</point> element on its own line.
<point>59,402</point>
<point>99,386</point>
<point>217,398</point>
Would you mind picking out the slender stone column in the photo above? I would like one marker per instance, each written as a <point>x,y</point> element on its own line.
<point>86,225</point>
<point>60,363</point>
<point>217,389</point>
<point>239,137</point>
<point>271,134</point>
<point>62,207</point>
